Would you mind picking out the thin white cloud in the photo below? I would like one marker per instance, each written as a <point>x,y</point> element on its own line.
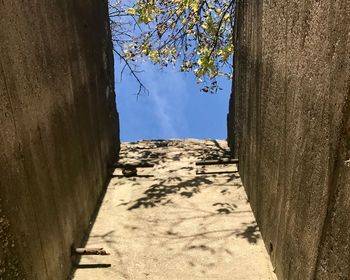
<point>163,115</point>
<point>168,91</point>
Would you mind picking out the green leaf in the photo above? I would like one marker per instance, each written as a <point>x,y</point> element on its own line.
<point>131,11</point>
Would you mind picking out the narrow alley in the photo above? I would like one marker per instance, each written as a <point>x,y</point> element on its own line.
<point>178,219</point>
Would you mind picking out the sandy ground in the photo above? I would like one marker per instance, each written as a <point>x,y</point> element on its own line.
<point>170,222</point>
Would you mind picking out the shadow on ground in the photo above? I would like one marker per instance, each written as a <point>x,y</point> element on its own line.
<point>159,193</point>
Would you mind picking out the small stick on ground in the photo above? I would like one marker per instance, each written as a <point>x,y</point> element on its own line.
<point>90,251</point>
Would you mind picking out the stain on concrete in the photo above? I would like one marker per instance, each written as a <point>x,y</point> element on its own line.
<point>10,267</point>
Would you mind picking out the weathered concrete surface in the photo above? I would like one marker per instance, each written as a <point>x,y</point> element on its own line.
<point>58,130</point>
<point>171,223</point>
<point>292,107</point>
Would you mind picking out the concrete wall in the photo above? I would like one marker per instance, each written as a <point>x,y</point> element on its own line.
<point>292,104</point>
<point>59,129</point>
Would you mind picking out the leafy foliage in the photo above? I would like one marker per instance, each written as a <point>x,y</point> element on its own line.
<point>195,35</point>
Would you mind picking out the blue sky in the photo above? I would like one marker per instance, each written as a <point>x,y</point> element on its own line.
<point>174,108</point>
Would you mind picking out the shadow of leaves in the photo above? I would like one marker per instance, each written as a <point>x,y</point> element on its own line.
<point>156,194</point>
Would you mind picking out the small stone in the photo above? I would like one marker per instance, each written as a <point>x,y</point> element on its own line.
<point>130,172</point>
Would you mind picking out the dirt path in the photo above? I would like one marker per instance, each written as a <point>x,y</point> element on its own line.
<point>170,223</point>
